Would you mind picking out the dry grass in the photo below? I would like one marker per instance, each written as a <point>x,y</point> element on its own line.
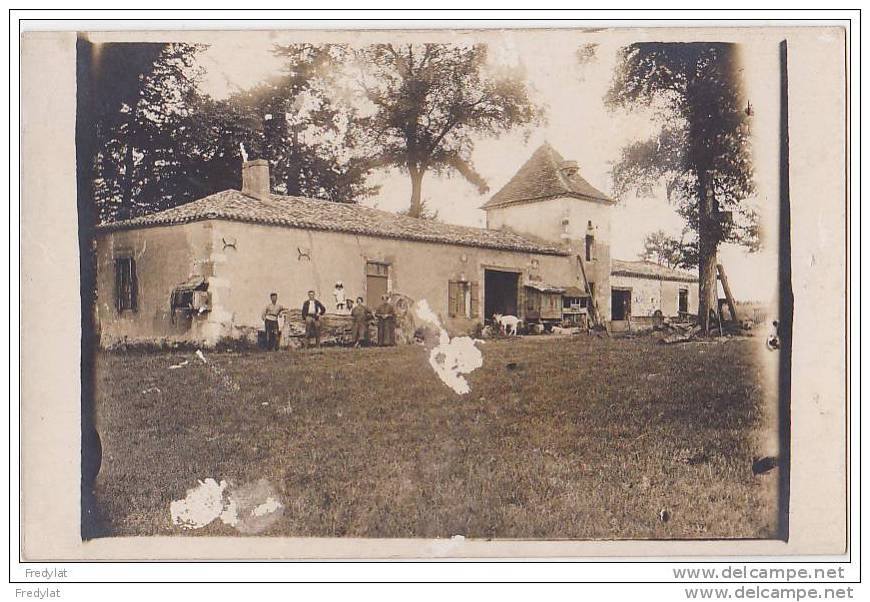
<point>586,438</point>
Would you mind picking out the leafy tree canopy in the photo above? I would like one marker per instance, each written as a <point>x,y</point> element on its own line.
<point>169,143</point>
<point>702,143</point>
<point>664,249</point>
<point>429,102</point>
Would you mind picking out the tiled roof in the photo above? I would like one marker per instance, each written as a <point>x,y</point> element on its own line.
<point>647,269</point>
<point>312,214</point>
<point>573,291</point>
<point>542,177</point>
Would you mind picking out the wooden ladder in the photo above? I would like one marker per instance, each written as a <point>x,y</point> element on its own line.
<point>732,307</point>
<point>594,316</point>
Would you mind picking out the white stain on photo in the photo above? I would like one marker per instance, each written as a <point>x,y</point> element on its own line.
<point>250,508</point>
<point>453,357</point>
<point>200,506</point>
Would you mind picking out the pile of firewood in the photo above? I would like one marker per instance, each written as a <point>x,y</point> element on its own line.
<point>680,332</point>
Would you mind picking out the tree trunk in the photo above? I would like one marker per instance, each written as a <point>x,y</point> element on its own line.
<point>126,210</point>
<point>707,293</point>
<point>708,243</point>
<point>416,209</point>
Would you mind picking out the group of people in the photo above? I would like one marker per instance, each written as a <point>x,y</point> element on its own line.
<point>313,310</point>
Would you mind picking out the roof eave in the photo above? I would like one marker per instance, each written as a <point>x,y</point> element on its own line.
<point>122,226</point>
<point>675,278</point>
<point>548,197</point>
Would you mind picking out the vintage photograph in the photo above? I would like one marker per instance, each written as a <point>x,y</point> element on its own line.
<point>468,284</point>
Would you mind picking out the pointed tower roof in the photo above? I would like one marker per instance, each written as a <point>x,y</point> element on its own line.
<point>546,175</point>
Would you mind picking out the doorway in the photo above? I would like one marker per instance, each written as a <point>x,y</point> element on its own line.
<point>683,307</point>
<point>620,303</point>
<point>377,282</point>
<point>500,293</point>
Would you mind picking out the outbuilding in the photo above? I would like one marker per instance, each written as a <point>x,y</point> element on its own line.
<point>640,289</point>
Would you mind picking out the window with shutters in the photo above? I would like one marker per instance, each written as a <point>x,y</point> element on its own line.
<point>462,299</point>
<point>126,284</point>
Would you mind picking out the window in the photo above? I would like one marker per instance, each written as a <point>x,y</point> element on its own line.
<point>189,298</point>
<point>462,299</point>
<point>590,241</point>
<point>181,299</point>
<point>126,284</point>
<point>590,247</point>
<point>377,268</point>
<point>683,307</point>
<point>573,303</point>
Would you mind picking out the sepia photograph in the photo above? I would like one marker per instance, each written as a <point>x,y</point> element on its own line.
<point>468,284</point>
<point>479,290</point>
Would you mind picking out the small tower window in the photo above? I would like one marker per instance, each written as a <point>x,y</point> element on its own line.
<point>590,241</point>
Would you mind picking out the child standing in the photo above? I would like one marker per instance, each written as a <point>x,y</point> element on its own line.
<point>340,298</point>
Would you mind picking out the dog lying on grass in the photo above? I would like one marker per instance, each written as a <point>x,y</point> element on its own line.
<point>508,325</point>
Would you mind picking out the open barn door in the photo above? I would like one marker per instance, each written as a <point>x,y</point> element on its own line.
<point>501,293</point>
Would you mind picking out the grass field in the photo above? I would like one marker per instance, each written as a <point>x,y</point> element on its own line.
<point>583,438</point>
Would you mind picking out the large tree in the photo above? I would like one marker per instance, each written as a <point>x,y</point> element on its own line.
<point>291,119</point>
<point>139,125</point>
<point>428,104</point>
<point>167,143</point>
<point>700,151</point>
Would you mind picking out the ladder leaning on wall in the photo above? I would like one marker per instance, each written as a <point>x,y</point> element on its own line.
<point>594,314</point>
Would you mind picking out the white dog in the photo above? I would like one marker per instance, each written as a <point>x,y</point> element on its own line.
<point>507,324</point>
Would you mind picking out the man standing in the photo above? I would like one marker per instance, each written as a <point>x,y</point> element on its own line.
<point>271,315</point>
<point>312,309</point>
<point>386,315</point>
<point>360,314</point>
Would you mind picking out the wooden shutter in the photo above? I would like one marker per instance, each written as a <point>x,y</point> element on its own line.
<point>452,298</point>
<point>134,286</point>
<point>475,301</point>
<point>119,284</point>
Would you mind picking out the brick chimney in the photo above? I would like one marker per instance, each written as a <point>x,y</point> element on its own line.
<point>255,178</point>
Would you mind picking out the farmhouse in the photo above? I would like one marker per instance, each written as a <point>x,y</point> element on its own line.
<point>203,271</point>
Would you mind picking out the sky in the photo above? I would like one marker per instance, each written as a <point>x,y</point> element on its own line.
<point>577,124</point>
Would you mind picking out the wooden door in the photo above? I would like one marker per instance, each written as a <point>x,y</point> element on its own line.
<point>377,282</point>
